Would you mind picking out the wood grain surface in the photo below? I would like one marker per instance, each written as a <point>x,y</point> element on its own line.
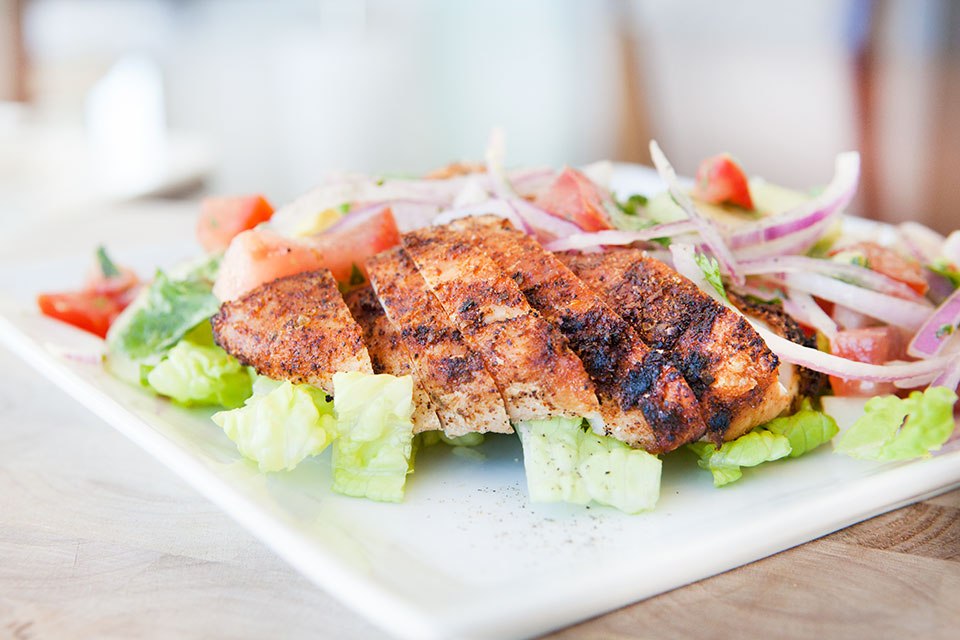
<point>98,540</point>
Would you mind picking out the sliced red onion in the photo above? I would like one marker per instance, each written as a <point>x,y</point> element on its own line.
<point>620,238</point>
<point>796,244</point>
<point>805,310</point>
<point>499,208</point>
<point>896,311</point>
<point>924,243</point>
<point>547,226</point>
<point>791,352</point>
<point>933,334</point>
<point>846,318</point>
<point>825,206</point>
<point>859,275</point>
<point>356,217</point>
<point>707,230</point>
<point>949,377</point>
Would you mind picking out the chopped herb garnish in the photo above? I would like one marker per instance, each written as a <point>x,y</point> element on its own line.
<point>711,271</point>
<point>947,270</point>
<point>344,208</point>
<point>632,205</point>
<point>944,330</point>
<point>107,267</point>
<point>356,276</point>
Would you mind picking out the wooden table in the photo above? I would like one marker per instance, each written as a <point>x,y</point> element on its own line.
<point>97,539</point>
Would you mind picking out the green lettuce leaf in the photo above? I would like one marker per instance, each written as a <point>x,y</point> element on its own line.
<point>280,424</point>
<point>806,430</point>
<point>196,374</point>
<point>161,316</point>
<point>565,463</point>
<point>748,450</point>
<point>374,451</point>
<point>893,428</point>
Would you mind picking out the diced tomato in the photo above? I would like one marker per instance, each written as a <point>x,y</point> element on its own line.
<point>222,218</point>
<point>720,180</point>
<point>258,256</point>
<point>87,310</point>
<point>348,246</point>
<point>874,345</point>
<point>573,197</point>
<point>890,263</point>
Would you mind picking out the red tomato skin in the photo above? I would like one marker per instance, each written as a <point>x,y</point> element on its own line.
<point>720,180</point>
<point>890,263</point>
<point>223,218</point>
<point>341,250</point>
<point>873,345</point>
<point>85,310</point>
<point>573,197</point>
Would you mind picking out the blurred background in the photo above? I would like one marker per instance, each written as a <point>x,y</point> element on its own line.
<point>102,101</point>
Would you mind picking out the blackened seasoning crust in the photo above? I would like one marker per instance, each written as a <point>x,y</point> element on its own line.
<point>537,373</point>
<point>453,375</point>
<point>724,360</point>
<point>389,354</point>
<point>644,401</point>
<point>295,328</point>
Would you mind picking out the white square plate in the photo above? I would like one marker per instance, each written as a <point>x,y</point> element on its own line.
<point>466,555</point>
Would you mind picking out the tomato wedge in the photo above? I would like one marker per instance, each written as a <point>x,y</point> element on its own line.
<point>888,262</point>
<point>874,345</point>
<point>222,218</point>
<point>573,197</point>
<point>720,180</point>
<point>87,310</point>
<point>345,247</point>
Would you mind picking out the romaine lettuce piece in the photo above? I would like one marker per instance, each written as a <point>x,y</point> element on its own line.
<point>194,374</point>
<point>280,424</point>
<point>374,451</point>
<point>748,450</point>
<point>806,430</point>
<point>893,428</point>
<point>566,463</point>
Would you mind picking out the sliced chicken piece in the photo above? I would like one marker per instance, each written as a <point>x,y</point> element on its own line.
<point>724,360</point>
<point>295,328</point>
<point>537,373</point>
<point>799,382</point>
<point>389,355</point>
<point>644,401</point>
<point>464,394</point>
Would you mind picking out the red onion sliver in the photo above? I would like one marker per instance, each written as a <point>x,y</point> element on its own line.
<point>825,206</point>
<point>794,353</point>
<point>805,310</point>
<point>896,311</point>
<point>924,243</point>
<point>620,238</point>
<point>860,275</point>
<point>933,334</point>
<point>708,231</point>
<point>548,226</point>
<point>949,377</point>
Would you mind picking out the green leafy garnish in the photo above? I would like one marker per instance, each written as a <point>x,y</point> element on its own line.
<point>167,310</point>
<point>197,374</point>
<point>633,205</point>
<point>893,428</point>
<point>107,266</point>
<point>344,208</point>
<point>806,430</point>
<point>356,276</point>
<point>748,450</point>
<point>280,424</point>
<point>374,451</point>
<point>711,271</point>
<point>565,462</point>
